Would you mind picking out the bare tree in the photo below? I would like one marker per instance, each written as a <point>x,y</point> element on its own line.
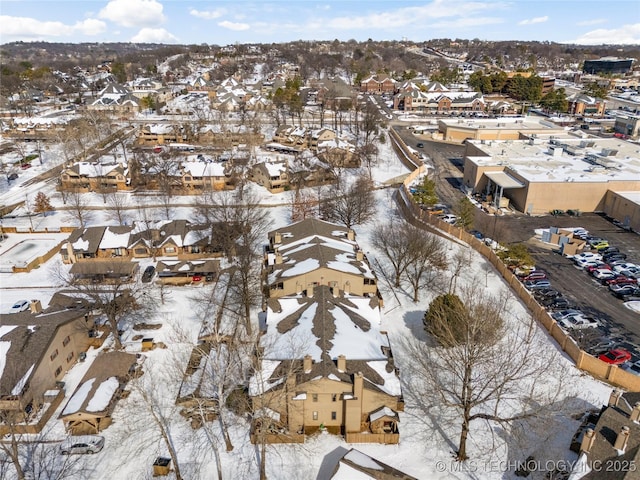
<point>427,252</point>
<point>78,207</point>
<point>118,207</point>
<point>350,205</point>
<point>483,367</point>
<point>460,260</point>
<point>396,247</point>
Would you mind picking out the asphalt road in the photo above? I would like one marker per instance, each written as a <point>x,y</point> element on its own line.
<point>618,322</point>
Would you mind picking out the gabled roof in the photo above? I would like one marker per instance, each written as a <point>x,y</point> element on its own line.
<point>357,465</point>
<point>86,240</point>
<point>24,339</point>
<point>168,268</point>
<point>94,394</point>
<point>325,326</point>
<point>312,227</point>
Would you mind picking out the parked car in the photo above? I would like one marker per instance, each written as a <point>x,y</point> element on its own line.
<point>601,245</point>
<point>609,250</point>
<point>578,322</point>
<point>546,293</point>
<point>586,256</point>
<point>603,274</point>
<point>12,176</point>
<point>617,356</point>
<point>19,306</point>
<point>614,257</point>
<point>535,275</point>
<point>622,291</point>
<point>599,345</point>
<point>633,367</point>
<point>594,265</point>
<point>622,280</point>
<point>625,266</point>
<point>196,278</point>
<point>537,284</point>
<point>148,274</point>
<point>565,314</point>
<point>449,218</point>
<point>420,145</point>
<point>82,444</point>
<point>558,303</point>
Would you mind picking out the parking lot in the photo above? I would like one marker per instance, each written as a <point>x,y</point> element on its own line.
<point>617,322</point>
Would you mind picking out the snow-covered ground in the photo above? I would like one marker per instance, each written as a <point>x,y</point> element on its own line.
<point>426,445</point>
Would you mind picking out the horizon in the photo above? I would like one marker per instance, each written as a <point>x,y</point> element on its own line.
<point>173,22</point>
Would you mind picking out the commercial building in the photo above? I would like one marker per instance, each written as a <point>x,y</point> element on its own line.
<point>607,65</point>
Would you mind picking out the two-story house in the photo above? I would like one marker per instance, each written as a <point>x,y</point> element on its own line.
<point>378,84</point>
<point>273,175</point>
<point>94,177</point>
<point>39,347</point>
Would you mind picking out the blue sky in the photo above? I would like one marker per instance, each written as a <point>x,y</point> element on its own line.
<point>243,21</point>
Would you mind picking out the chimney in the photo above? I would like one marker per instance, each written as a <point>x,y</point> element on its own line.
<point>351,235</point>
<point>622,439</point>
<point>614,398</point>
<point>342,363</point>
<point>347,288</point>
<point>587,440</point>
<point>358,385</point>
<point>359,255</point>
<point>278,258</point>
<point>277,238</point>
<point>310,291</point>
<point>35,306</point>
<point>298,288</point>
<point>635,413</point>
<point>307,363</point>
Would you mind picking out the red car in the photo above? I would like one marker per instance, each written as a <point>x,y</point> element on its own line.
<point>535,275</point>
<point>196,278</point>
<point>24,166</point>
<point>622,281</point>
<point>602,266</point>
<point>617,356</point>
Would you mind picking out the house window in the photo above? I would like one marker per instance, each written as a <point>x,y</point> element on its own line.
<point>54,355</point>
<point>169,250</point>
<point>70,357</point>
<point>334,397</point>
<point>369,281</point>
<point>66,341</point>
<point>315,415</point>
<point>314,397</point>
<point>117,252</point>
<point>58,371</point>
<point>140,251</point>
<point>333,415</point>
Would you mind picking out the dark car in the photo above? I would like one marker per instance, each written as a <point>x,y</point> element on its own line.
<point>420,145</point>
<point>148,273</point>
<point>12,176</point>
<point>558,303</point>
<point>612,257</point>
<point>623,291</point>
<point>546,293</point>
<point>537,284</point>
<point>610,250</point>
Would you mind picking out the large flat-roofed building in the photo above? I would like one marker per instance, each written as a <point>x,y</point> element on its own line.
<point>607,65</point>
<point>553,172</point>
<point>502,128</point>
<point>628,125</point>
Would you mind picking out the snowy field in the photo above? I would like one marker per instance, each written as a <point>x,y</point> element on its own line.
<point>426,444</point>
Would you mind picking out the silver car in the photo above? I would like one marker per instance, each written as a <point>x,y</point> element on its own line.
<point>82,444</point>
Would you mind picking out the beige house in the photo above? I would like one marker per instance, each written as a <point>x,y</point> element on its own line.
<point>89,409</point>
<point>42,347</point>
<point>94,177</point>
<point>325,365</point>
<point>274,176</point>
<point>161,134</point>
<point>313,253</point>
<point>540,174</point>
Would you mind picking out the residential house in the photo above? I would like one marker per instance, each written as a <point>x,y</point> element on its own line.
<point>338,153</point>
<point>89,409</point>
<point>94,177</point>
<point>273,175</point>
<point>204,174</point>
<point>312,253</point>
<point>438,102</point>
<point>614,440</point>
<point>161,134</point>
<point>83,243</point>
<point>104,271</point>
<point>183,272</point>
<point>355,464</point>
<point>325,364</point>
<point>39,347</point>
<point>378,84</point>
<point>320,135</point>
<point>116,97</point>
<point>292,136</point>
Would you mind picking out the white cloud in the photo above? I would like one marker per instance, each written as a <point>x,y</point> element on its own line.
<point>17,28</point>
<point>208,14</point>
<point>154,35</point>
<point>533,21</point>
<point>234,25</point>
<point>595,21</point>
<point>133,13</point>
<point>467,22</point>
<point>625,35</point>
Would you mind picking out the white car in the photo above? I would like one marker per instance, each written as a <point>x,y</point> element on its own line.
<point>577,322</point>
<point>604,274</point>
<point>82,444</point>
<point>586,256</point>
<point>19,306</point>
<point>625,266</point>
<point>562,314</point>
<point>449,218</point>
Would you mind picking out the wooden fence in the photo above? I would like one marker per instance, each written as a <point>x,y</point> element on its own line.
<point>592,365</point>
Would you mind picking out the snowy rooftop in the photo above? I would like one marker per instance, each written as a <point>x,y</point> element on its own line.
<point>563,159</point>
<point>505,123</point>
